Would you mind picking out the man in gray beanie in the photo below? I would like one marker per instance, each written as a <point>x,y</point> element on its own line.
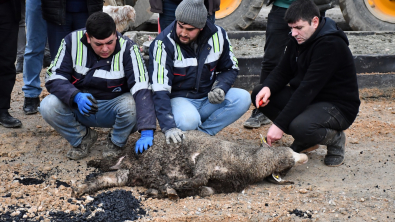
<point>192,68</point>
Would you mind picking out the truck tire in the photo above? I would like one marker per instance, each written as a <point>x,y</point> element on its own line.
<point>241,17</point>
<point>359,18</point>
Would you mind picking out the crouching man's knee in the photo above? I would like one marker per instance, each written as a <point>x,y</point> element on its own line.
<point>51,107</point>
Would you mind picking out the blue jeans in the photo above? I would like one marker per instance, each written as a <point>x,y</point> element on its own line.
<point>200,114</point>
<point>74,21</point>
<point>36,38</point>
<point>118,113</point>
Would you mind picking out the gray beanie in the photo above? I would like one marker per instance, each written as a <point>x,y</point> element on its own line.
<point>192,12</point>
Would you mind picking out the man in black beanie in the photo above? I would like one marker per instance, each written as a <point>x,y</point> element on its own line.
<point>192,68</point>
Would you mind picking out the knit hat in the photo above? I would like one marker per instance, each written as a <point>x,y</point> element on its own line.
<point>192,12</point>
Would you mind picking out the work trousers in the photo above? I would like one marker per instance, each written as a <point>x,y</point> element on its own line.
<point>200,114</point>
<point>310,127</point>
<point>9,38</point>
<point>118,113</point>
<point>277,38</point>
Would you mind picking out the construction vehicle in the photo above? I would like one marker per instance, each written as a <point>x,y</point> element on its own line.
<point>361,15</point>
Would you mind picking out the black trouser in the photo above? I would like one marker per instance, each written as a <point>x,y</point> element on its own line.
<point>8,38</point>
<point>277,38</point>
<point>309,127</point>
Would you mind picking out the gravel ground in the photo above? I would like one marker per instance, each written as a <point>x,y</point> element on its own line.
<point>361,189</point>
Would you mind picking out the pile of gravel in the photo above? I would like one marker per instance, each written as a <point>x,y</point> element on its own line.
<point>111,206</point>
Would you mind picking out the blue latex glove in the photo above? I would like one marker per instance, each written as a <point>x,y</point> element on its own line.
<point>86,103</point>
<point>145,141</point>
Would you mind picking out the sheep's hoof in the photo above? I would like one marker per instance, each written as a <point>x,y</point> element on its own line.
<point>152,193</point>
<point>172,194</point>
<point>206,191</point>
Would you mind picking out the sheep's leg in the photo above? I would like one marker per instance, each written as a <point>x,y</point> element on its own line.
<point>105,180</point>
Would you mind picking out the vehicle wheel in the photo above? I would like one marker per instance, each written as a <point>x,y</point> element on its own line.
<point>237,14</point>
<point>368,15</point>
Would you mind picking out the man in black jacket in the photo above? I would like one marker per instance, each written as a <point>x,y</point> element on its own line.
<point>313,93</point>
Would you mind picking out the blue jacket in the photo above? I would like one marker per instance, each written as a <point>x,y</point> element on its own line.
<point>176,70</point>
<point>76,68</point>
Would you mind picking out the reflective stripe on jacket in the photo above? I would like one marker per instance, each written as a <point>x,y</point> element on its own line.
<point>77,68</point>
<point>176,70</point>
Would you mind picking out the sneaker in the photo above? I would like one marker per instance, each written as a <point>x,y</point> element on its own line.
<point>83,149</point>
<point>30,105</point>
<point>111,149</point>
<point>256,120</point>
<point>8,121</point>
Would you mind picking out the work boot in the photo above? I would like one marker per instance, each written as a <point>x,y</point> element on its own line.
<point>256,120</point>
<point>30,105</point>
<point>303,148</point>
<point>111,149</point>
<point>19,64</point>
<point>8,121</point>
<point>47,60</point>
<point>336,144</point>
<point>83,149</point>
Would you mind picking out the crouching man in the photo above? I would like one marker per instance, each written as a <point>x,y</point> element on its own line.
<point>98,79</point>
<point>313,93</point>
<point>192,68</point>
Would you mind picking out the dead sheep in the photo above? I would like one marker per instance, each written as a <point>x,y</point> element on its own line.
<point>201,165</point>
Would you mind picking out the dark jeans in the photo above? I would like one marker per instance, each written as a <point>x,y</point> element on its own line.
<point>74,21</point>
<point>309,127</point>
<point>8,37</point>
<point>169,14</point>
<point>276,39</point>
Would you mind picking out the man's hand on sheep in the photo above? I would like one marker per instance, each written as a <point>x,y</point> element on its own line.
<point>216,96</point>
<point>174,134</point>
<point>274,134</point>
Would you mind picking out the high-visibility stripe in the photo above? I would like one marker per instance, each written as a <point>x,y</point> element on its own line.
<point>235,60</point>
<point>216,42</point>
<point>117,65</point>
<point>53,63</point>
<point>79,48</point>
<point>230,48</point>
<point>179,52</point>
<point>158,60</point>
<point>160,74</point>
<point>140,63</point>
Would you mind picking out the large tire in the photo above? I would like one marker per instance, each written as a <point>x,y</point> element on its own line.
<point>242,17</point>
<point>359,18</point>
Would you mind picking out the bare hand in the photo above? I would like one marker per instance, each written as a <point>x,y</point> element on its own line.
<point>274,134</point>
<point>262,98</point>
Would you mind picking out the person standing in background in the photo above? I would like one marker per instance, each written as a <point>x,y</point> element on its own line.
<point>10,15</point>
<point>63,17</point>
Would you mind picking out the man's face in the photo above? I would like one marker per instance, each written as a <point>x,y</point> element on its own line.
<point>186,33</point>
<point>302,30</point>
<point>103,47</point>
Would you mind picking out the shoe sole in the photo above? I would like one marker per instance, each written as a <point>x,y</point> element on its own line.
<point>11,126</point>
<point>30,113</point>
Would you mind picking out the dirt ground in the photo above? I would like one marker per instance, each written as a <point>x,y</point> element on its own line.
<point>362,189</point>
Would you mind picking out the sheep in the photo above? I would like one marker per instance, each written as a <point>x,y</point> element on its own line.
<point>122,15</point>
<point>201,165</point>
